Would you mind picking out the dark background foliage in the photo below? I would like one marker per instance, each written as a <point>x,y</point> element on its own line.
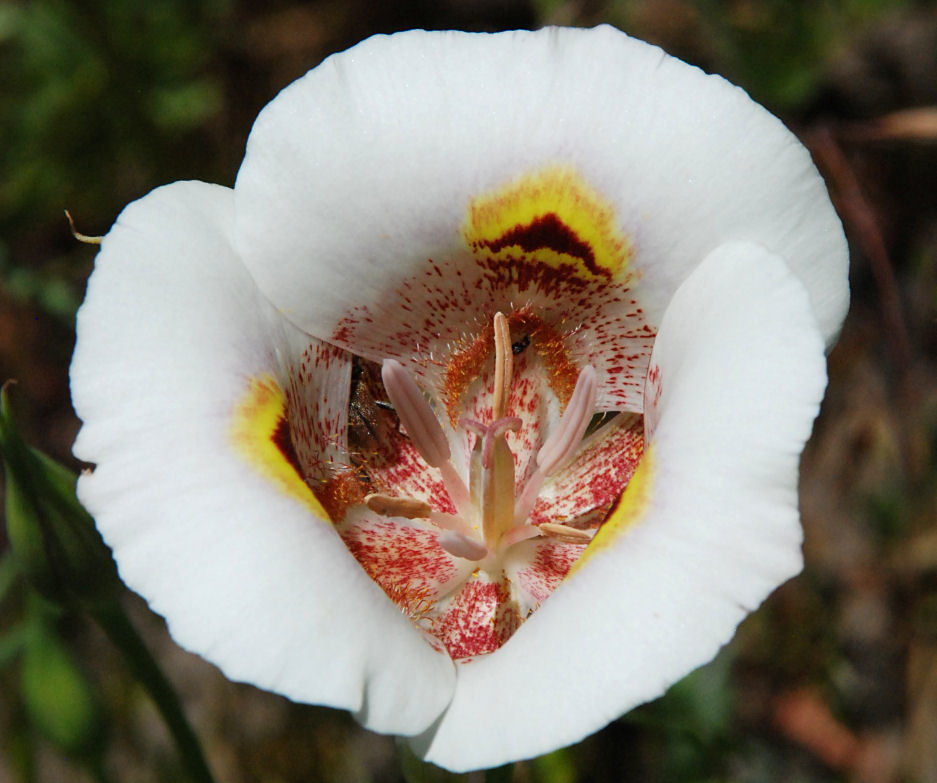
<point>835,678</point>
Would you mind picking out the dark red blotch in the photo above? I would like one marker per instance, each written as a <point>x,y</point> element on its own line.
<point>284,442</point>
<point>551,233</point>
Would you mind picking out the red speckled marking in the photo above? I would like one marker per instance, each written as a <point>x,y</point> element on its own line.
<point>404,559</point>
<point>653,389</point>
<point>465,368</point>
<point>474,362</point>
<point>472,615</point>
<point>598,474</point>
<point>445,309</point>
<point>549,566</point>
<point>469,615</point>
<point>477,616</point>
<point>317,407</point>
<point>480,618</point>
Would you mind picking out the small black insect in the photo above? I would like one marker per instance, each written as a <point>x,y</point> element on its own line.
<point>521,345</point>
<point>600,419</point>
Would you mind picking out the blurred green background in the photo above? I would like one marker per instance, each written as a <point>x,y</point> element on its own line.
<point>834,679</point>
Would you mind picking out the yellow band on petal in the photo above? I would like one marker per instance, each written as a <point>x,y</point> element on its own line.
<point>551,216</point>
<point>630,507</point>
<point>260,431</point>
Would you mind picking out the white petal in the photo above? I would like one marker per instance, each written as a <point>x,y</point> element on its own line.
<point>170,334</point>
<point>742,375</point>
<point>360,173</point>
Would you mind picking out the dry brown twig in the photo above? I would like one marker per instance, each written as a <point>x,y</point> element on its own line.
<point>918,124</point>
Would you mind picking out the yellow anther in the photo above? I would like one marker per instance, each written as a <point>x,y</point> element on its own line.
<point>390,506</point>
<point>571,535</point>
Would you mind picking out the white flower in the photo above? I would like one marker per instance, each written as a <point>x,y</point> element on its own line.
<point>344,417</point>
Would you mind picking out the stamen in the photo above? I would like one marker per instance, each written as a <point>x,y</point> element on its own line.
<point>462,546</point>
<point>451,522</point>
<point>504,364</point>
<point>565,439</point>
<point>555,530</point>
<point>571,535</point>
<point>562,443</point>
<point>415,413</point>
<point>528,497</point>
<point>412,508</point>
<point>423,428</point>
<point>390,506</point>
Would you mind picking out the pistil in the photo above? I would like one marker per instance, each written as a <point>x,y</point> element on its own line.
<point>504,365</point>
<point>492,476</point>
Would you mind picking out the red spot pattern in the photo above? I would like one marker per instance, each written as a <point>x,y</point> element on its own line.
<point>653,389</point>
<point>317,408</point>
<point>473,362</point>
<point>551,563</point>
<point>597,475</point>
<point>432,316</point>
<point>481,617</point>
<point>405,560</point>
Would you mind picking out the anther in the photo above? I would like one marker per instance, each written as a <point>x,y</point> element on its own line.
<point>565,439</point>
<point>415,413</point>
<point>562,443</point>
<point>390,506</point>
<point>571,535</point>
<point>423,428</point>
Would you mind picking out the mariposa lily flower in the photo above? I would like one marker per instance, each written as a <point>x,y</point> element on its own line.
<point>476,406</point>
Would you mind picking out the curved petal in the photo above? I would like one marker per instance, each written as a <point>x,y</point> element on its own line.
<point>707,528</point>
<point>361,193</point>
<point>178,358</point>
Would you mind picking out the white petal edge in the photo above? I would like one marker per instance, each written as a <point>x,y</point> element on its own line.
<point>171,330</point>
<point>361,171</point>
<point>743,373</point>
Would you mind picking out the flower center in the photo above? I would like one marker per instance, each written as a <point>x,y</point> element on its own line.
<point>492,515</point>
<point>471,504</point>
